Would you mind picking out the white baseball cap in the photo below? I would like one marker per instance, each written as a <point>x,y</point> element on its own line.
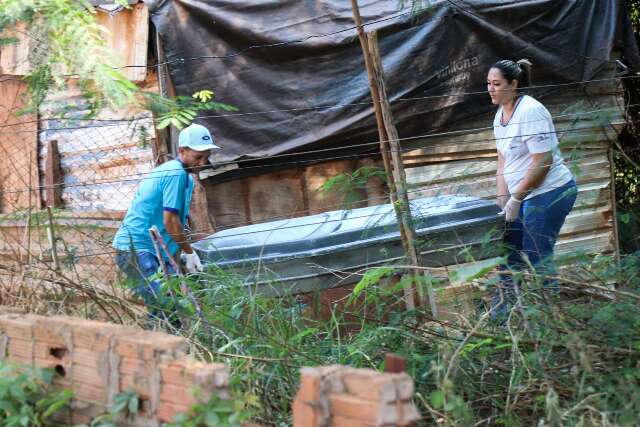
<point>196,137</point>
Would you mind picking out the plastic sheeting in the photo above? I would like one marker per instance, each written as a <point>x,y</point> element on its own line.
<point>307,87</point>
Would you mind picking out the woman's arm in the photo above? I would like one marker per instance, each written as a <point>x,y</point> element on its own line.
<point>540,165</point>
<point>503,191</point>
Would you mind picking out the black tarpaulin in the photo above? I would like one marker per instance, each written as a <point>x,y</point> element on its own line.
<point>295,70</point>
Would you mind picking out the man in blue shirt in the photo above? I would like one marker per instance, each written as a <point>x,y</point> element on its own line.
<point>163,200</point>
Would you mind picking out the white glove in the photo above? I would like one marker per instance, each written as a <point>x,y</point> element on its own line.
<point>511,210</point>
<point>192,262</point>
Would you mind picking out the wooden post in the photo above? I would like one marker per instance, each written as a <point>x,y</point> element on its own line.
<point>398,166</point>
<point>389,145</point>
<point>394,364</point>
<point>199,219</point>
<point>382,133</point>
<point>52,240</point>
<point>53,176</point>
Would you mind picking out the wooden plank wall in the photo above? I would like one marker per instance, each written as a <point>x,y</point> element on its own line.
<point>466,162</point>
<point>126,33</point>
<point>284,194</point>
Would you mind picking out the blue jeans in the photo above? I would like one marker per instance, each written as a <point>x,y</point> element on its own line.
<point>534,234</point>
<point>139,266</point>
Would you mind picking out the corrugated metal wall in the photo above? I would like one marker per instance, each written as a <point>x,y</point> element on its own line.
<point>101,159</point>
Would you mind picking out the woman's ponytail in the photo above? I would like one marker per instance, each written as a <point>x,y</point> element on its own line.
<point>525,73</point>
<point>520,71</point>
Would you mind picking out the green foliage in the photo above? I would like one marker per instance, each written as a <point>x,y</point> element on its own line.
<point>181,110</point>
<point>67,40</point>
<point>216,413</point>
<point>26,398</point>
<point>349,186</point>
<point>125,405</point>
<point>575,346</point>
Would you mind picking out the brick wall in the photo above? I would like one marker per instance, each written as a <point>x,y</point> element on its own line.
<point>340,396</point>
<point>98,360</point>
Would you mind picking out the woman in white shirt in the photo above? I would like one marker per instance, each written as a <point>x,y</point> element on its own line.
<point>535,189</point>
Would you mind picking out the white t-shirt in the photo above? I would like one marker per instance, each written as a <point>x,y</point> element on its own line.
<point>530,130</point>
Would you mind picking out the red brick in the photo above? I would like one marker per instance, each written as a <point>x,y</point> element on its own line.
<point>89,375</point>
<point>353,407</point>
<point>20,351</point>
<point>53,331</point>
<point>17,326</point>
<point>129,366</point>
<point>305,411</point>
<point>338,421</point>
<point>96,336</point>
<point>173,372</point>
<point>176,394</point>
<point>138,383</point>
<point>90,393</point>
<point>383,387</point>
<point>148,345</point>
<point>46,351</point>
<point>51,364</point>
<point>167,411</point>
<point>87,358</point>
<point>371,411</point>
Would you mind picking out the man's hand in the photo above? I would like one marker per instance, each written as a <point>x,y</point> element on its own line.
<point>511,210</point>
<point>192,262</point>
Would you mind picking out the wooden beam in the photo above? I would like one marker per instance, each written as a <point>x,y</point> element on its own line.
<point>394,364</point>
<point>382,133</point>
<point>53,176</point>
<point>390,149</point>
<point>201,225</point>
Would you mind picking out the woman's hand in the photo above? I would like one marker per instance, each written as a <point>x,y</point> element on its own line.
<point>511,210</point>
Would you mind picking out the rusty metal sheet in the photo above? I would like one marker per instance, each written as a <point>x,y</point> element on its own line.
<point>18,150</point>
<point>125,32</point>
<point>128,36</point>
<point>103,159</point>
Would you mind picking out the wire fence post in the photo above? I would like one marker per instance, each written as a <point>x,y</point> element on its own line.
<point>389,144</point>
<point>52,240</point>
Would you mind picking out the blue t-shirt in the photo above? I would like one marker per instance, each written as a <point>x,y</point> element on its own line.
<point>167,188</point>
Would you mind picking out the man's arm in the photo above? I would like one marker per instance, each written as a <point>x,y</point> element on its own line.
<point>175,229</point>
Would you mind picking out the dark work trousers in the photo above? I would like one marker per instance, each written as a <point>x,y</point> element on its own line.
<point>533,234</point>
